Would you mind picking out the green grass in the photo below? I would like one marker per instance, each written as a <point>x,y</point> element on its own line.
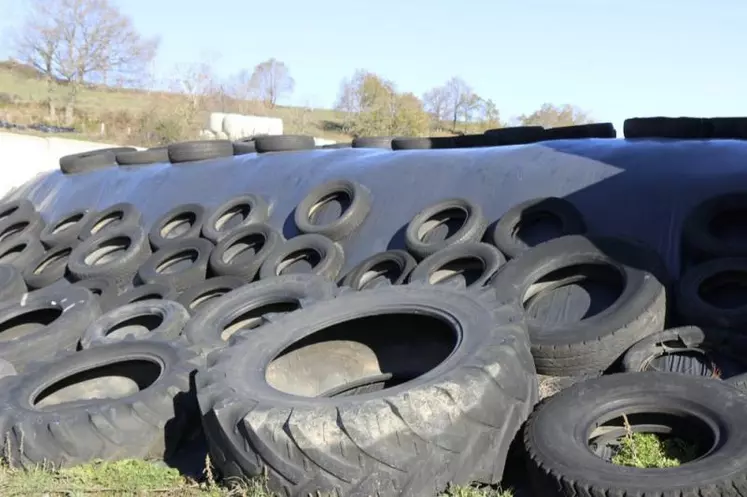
<point>647,450</point>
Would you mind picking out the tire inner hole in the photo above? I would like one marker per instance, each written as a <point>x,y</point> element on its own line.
<point>67,223</point>
<point>178,225</point>
<point>725,290</point>
<point>465,271</point>
<point>115,380</point>
<point>442,225</point>
<point>300,261</point>
<point>107,220</point>
<point>573,293</point>
<point>537,227</point>
<point>233,217</point>
<point>147,296</point>
<point>330,208</point>
<point>381,273</point>
<point>363,354</point>
<point>244,248</point>
<point>256,316</point>
<point>28,322</point>
<point>680,437</point>
<point>208,296</point>
<point>730,225</point>
<point>13,230</point>
<point>177,262</point>
<point>56,261</point>
<point>108,251</point>
<point>12,253</point>
<point>136,326</point>
<point>8,212</point>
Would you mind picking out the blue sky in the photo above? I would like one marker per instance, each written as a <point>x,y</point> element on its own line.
<point>613,59</point>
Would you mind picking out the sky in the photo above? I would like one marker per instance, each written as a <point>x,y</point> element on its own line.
<point>613,59</point>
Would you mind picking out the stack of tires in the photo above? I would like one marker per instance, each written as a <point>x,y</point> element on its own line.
<point>413,369</point>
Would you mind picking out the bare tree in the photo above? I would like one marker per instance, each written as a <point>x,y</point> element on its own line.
<point>83,41</point>
<point>436,103</point>
<point>459,94</point>
<point>552,116</point>
<point>272,79</point>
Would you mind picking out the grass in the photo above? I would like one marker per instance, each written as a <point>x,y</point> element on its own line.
<point>648,450</point>
<point>133,477</point>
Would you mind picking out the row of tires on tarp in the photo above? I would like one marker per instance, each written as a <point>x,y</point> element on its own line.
<point>414,370</point>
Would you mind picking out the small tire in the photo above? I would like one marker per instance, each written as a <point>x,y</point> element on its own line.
<point>20,251</point>
<point>143,157</point>
<point>208,292</point>
<point>112,218</point>
<point>467,214</point>
<point>693,305</point>
<point>505,233</point>
<point>283,143</point>
<point>12,285</point>
<point>116,254</point>
<point>699,235</point>
<point>180,223</point>
<point>49,267</point>
<point>148,421</point>
<point>149,319</point>
<point>212,327</point>
<point>473,263</point>
<point>233,214</point>
<point>65,229</point>
<point>151,291</point>
<point>200,150</point>
<point>194,253</point>
<point>394,266</point>
<point>355,205</point>
<point>242,252</point>
<point>325,257</point>
<point>91,161</point>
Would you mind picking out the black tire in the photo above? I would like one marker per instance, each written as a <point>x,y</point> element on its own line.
<point>49,267</point>
<point>595,130</point>
<point>207,292</point>
<point>354,200</point>
<point>147,423</point>
<point>65,229</point>
<point>233,214</point>
<point>242,252</point>
<point>283,143</point>
<point>689,350</point>
<point>517,135</point>
<point>505,234</point>
<point>700,231</point>
<point>693,128</point>
<point>199,150</point>
<point>589,345</point>
<point>373,142</point>
<point>734,128</point>
<point>325,257</point>
<point>394,266</point>
<point>179,265</point>
<point>104,289</point>
<point>152,291</point>
<point>20,251</point>
<point>112,218</point>
<point>436,142</point>
<point>180,223</point>
<point>474,386</point>
<point>337,146</point>
<point>16,208</point>
<point>30,223</point>
<point>695,305</point>
<point>149,319</point>
<point>243,148</point>
<point>472,141</point>
<point>38,325</point>
<point>115,254</point>
<point>469,265</point>
<point>143,157</point>
<point>253,305</point>
<point>557,436</point>
<point>450,213</point>
<point>12,285</point>
<point>92,160</point>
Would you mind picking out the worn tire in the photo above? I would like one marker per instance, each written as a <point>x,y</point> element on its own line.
<point>143,157</point>
<point>473,263</point>
<point>693,128</point>
<point>65,229</point>
<point>515,135</point>
<point>30,223</point>
<point>241,253</point>
<point>20,251</point>
<point>112,218</point>
<point>472,225</point>
<point>213,325</point>
<point>283,143</point>
<point>104,289</point>
<point>207,292</point>
<point>48,267</point>
<point>199,150</point>
<point>16,208</point>
<point>505,233</point>
<point>592,344</point>
<point>148,423</point>
<point>233,214</point>
<point>560,462</point>
<point>325,257</point>
<point>157,268</point>
<point>693,308</point>
<point>38,325</point>
<point>116,254</point>
<point>436,142</point>
<point>594,130</point>
<point>451,424</point>
<point>394,265</point>
<point>244,147</point>
<point>149,319</point>
<point>355,205</point>
<point>180,223</point>
<point>151,291</point>
<point>698,234</point>
<point>91,161</point>
<point>12,284</point>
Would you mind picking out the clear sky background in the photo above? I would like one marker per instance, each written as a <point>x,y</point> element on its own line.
<point>613,59</point>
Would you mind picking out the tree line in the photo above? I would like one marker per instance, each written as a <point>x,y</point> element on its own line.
<point>91,42</point>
